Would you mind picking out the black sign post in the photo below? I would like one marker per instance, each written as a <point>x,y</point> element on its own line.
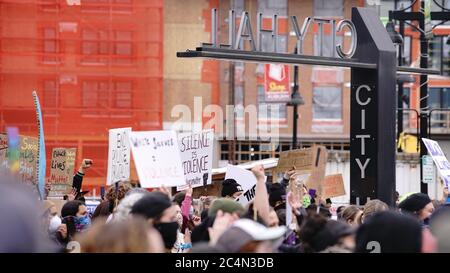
<point>373,100</point>
<point>372,113</point>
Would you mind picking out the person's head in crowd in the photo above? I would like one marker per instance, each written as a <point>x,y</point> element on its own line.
<point>339,211</point>
<point>372,207</point>
<point>179,197</point>
<point>248,236</point>
<point>393,232</point>
<point>50,217</point>
<point>231,189</point>
<point>136,190</point>
<point>132,236</point>
<point>281,215</point>
<point>227,206</point>
<point>124,208</point>
<point>21,213</point>
<point>158,209</point>
<point>418,204</point>
<point>277,194</point>
<point>352,215</point>
<point>440,228</point>
<point>321,235</point>
<point>76,216</point>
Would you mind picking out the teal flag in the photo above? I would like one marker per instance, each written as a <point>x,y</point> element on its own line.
<point>41,162</point>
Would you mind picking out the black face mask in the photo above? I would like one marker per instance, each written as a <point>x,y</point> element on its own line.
<point>169,232</point>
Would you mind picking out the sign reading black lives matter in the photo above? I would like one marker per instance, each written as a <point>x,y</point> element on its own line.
<point>157,158</point>
<point>63,163</point>
<point>118,155</point>
<point>196,151</point>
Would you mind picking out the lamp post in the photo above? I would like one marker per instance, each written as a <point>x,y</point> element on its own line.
<point>296,100</point>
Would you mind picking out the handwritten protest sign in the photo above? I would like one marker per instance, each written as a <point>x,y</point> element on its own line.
<point>313,159</point>
<point>3,151</point>
<point>157,158</point>
<point>63,164</point>
<point>246,179</point>
<point>118,155</point>
<point>333,186</point>
<point>196,151</point>
<point>28,159</point>
<point>439,159</point>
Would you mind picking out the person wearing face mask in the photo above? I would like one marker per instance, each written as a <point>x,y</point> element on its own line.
<point>157,208</point>
<point>76,216</point>
<point>57,231</point>
<point>419,205</point>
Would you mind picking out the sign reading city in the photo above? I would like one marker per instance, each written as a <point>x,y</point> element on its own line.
<point>196,151</point>
<point>370,54</point>
<point>118,155</point>
<point>245,32</point>
<point>157,158</point>
<point>439,159</point>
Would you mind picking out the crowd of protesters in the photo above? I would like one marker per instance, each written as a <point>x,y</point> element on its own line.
<point>133,219</point>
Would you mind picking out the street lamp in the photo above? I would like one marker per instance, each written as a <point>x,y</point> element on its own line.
<point>296,100</point>
<point>395,36</point>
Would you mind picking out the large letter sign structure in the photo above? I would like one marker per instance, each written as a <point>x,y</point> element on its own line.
<point>373,107</point>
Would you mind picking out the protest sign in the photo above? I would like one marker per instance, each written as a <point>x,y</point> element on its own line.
<point>157,158</point>
<point>28,159</point>
<point>333,186</point>
<point>439,159</point>
<point>196,150</point>
<point>63,164</point>
<point>313,159</point>
<point>3,151</point>
<point>118,155</point>
<point>246,179</point>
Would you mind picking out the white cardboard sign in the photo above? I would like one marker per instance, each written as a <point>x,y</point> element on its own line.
<point>246,179</point>
<point>157,158</point>
<point>118,155</point>
<point>196,150</point>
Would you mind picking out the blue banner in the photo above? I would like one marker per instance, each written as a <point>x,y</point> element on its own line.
<point>41,162</point>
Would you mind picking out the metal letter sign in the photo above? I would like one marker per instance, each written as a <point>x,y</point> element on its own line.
<point>372,58</point>
<point>372,114</point>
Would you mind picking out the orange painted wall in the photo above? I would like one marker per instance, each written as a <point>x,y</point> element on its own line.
<point>95,66</point>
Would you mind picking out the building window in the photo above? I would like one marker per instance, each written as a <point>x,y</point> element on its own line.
<point>269,110</point>
<point>104,6</point>
<point>50,99</point>
<point>327,102</point>
<point>268,8</point>
<point>439,98</point>
<point>123,46</point>
<point>329,8</point>
<point>97,6</point>
<point>50,45</point>
<point>94,46</point>
<point>49,5</point>
<point>123,94</point>
<point>95,94</point>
